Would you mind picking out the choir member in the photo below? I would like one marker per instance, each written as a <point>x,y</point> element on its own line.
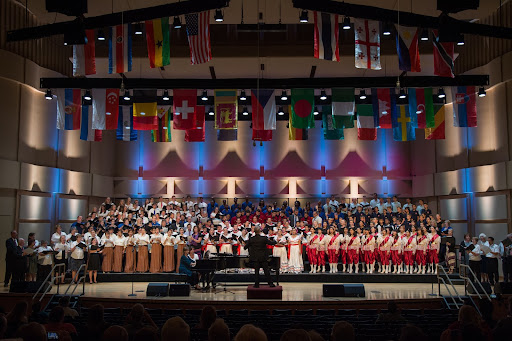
<point>62,249</point>
<point>343,248</point>
<point>280,251</point>
<point>492,261</point>
<point>409,246</point>
<point>333,249</point>
<point>56,236</point>
<point>77,256</point>
<point>119,243</point>
<point>107,242</point>
<point>186,267</point>
<point>321,250</point>
<point>225,242</point>
<point>295,264</point>
<point>475,258</point>
<point>129,250</point>
<point>168,243</point>
<point>45,260</point>
<point>434,246</point>
<point>449,241</point>
<point>93,261</point>
<point>368,247</point>
<point>421,251</point>
<point>180,241</point>
<point>353,251</point>
<point>156,251</point>
<point>142,240</point>
<point>396,250</point>
<point>242,240</point>
<point>195,239</point>
<point>211,239</point>
<point>384,248</point>
<point>312,248</point>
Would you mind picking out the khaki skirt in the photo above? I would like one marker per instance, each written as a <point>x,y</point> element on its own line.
<point>168,258</point>
<point>178,255</point>
<point>118,258</point>
<point>142,259</point>
<point>108,259</point>
<point>156,258</point>
<point>129,266</point>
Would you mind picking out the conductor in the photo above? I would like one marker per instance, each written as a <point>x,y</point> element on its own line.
<point>258,255</point>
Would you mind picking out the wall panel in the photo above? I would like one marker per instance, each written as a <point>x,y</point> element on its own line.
<point>43,231</point>
<point>10,99</point>
<point>34,207</point>
<point>39,178</point>
<point>70,208</point>
<point>491,207</point>
<point>76,183</point>
<point>454,208</point>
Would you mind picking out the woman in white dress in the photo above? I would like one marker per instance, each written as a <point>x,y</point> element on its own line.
<point>242,240</point>
<point>280,250</point>
<point>295,264</point>
<point>210,240</point>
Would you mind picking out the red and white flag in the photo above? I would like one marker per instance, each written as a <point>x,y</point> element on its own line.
<point>443,57</point>
<point>120,49</point>
<point>105,108</point>
<point>184,108</point>
<point>84,56</point>
<point>367,42</point>
<point>196,134</point>
<point>198,33</point>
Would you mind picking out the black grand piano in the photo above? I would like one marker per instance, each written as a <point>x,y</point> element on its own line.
<point>219,261</point>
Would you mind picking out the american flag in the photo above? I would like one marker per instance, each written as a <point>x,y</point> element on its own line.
<point>198,32</point>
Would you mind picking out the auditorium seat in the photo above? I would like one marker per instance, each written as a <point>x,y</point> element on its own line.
<point>173,312</point>
<point>344,312</point>
<point>260,312</point>
<point>326,312</point>
<point>282,312</point>
<point>304,312</point>
<point>193,312</point>
<point>238,312</point>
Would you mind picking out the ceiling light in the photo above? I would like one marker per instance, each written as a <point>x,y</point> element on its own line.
<point>138,29</point>
<point>481,92</point>
<point>303,16</point>
<point>402,94</point>
<point>280,111</point>
<point>87,95</point>
<point>126,95</point>
<point>166,97</point>
<point>211,112</point>
<point>243,97</point>
<point>346,23</point>
<point>424,35</point>
<point>315,112</point>
<point>440,93</point>
<point>362,94</point>
<point>386,29</point>
<point>48,95</point>
<point>219,17</point>
<point>284,96</point>
<point>245,112</point>
<point>101,35</point>
<point>176,22</point>
<point>204,96</point>
<point>323,95</point>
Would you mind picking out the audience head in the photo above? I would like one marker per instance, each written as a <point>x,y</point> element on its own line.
<point>249,332</point>
<point>95,315</point>
<point>468,315</point>
<point>175,329</point>
<point>295,335</point>
<point>56,315</point>
<point>343,331</point>
<point>219,331</point>
<point>18,313</point>
<point>412,333</point>
<point>137,313</point>
<point>117,333</point>
<point>32,332</point>
<point>208,316</point>
<point>313,334</point>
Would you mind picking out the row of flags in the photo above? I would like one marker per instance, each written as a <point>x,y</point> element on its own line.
<point>158,45</point>
<point>383,111</point>
<point>367,45</point>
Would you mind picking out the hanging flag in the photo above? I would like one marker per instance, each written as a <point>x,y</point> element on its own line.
<point>326,36</point>
<point>464,106</point>
<point>145,116</point>
<point>421,107</point>
<point>184,107</point>
<point>261,135</point>
<point>227,134</point>
<point>403,129</point>
<point>330,131</point>
<point>443,57</point>
<point>163,133</point>
<point>86,131</point>
<point>105,108</point>
<point>263,103</point>
<point>69,106</point>
<point>295,134</point>
<point>196,134</point>
<point>226,109</point>
<point>303,101</point>
<point>120,49</point>
<point>384,106</point>
<point>367,44</point>
<point>198,33</point>
<point>84,56</point>
<point>408,49</point>
<point>125,131</point>
<point>157,38</point>
<point>366,129</point>
<point>343,107</point>
<point>437,132</point>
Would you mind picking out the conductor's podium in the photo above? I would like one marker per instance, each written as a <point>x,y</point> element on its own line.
<point>264,292</point>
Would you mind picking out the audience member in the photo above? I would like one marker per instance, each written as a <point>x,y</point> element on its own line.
<point>208,316</point>
<point>343,331</point>
<point>16,318</point>
<point>37,315</point>
<point>249,332</point>
<point>147,334</point>
<point>95,325</point>
<point>295,335</point>
<point>219,331</point>
<point>412,333</point>
<point>137,319</point>
<point>68,312</point>
<point>469,326</point>
<point>175,329</point>
<point>32,331</point>
<point>56,322</point>
<point>116,333</point>
<point>392,315</point>
<point>315,336</point>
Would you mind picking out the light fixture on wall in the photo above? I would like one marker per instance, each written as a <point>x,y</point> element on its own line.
<point>481,92</point>
<point>48,96</point>
<point>166,97</point>
<point>460,41</point>
<point>386,29</point>
<point>101,35</point>
<point>440,93</point>
<point>87,95</point>
<point>219,17</point>
<point>424,35</point>
<point>138,29</point>
<point>211,112</point>
<point>362,94</point>
<point>176,22</point>
<point>126,95</point>
<point>315,111</point>
<point>303,16</point>
<point>243,97</point>
<point>280,111</point>
<point>245,112</point>
<point>204,96</point>
<point>284,95</point>
<point>323,95</point>
<point>402,94</point>
<point>346,23</point>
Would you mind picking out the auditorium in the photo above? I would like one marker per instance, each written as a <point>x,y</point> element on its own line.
<point>256,170</point>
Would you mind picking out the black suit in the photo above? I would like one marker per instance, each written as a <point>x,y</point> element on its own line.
<point>258,255</point>
<point>11,257</point>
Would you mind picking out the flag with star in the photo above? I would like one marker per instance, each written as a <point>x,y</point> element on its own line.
<point>157,38</point>
<point>163,133</point>
<point>403,126</point>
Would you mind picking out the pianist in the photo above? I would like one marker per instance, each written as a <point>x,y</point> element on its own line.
<point>187,262</point>
<point>258,255</point>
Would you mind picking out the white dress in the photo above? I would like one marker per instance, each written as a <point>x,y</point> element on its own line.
<point>295,263</point>
<point>210,244</point>
<point>243,251</point>
<point>282,253</point>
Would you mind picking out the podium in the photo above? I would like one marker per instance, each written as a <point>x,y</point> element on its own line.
<point>264,292</point>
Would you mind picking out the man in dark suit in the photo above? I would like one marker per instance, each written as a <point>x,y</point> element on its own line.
<point>11,246</point>
<point>258,255</point>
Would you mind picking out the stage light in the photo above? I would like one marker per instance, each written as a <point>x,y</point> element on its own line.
<point>280,111</point>
<point>243,97</point>
<point>101,35</point>
<point>402,94</point>
<point>386,29</point>
<point>138,29</point>
<point>481,92</point>
<point>440,93</point>
<point>323,95</point>
<point>303,16</point>
<point>126,95</point>
<point>284,96</point>
<point>48,95</point>
<point>424,35</point>
<point>460,41</point>
<point>166,97</point>
<point>211,112</point>
<point>315,112</point>
<point>261,143</point>
<point>87,95</point>
<point>204,96</point>
<point>219,17</point>
<point>346,23</point>
<point>362,94</point>
<point>245,112</point>
<point>176,22</point>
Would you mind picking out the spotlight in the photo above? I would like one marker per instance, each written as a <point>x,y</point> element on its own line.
<point>481,92</point>
<point>424,35</point>
<point>211,112</point>
<point>245,112</point>
<point>138,29</point>
<point>440,93</point>
<point>362,94</point>
<point>315,112</point>
<point>176,22</point>
<point>166,97</point>
<point>219,17</point>
<point>386,29</point>
<point>323,95</point>
<point>284,96</point>
<point>204,96</point>
<point>243,97</point>
<point>346,23</point>
<point>460,41</point>
<point>87,95</point>
<point>101,35</point>
<point>280,111</point>
<point>402,94</point>
<point>303,16</point>
<point>126,95</point>
<point>48,95</point>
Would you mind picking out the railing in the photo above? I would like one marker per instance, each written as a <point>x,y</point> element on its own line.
<point>50,278</point>
<point>463,274</point>
<point>441,275</point>
<point>77,282</point>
